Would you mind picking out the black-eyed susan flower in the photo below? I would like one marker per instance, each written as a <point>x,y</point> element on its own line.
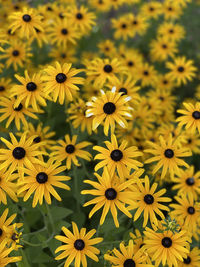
<point>171,9</point>
<point>110,106</point>
<point>4,223</point>
<point>164,83</point>
<point>5,258</point>
<point>175,32</point>
<point>148,201</point>
<point>100,5</point>
<point>26,21</point>
<point>187,182</point>
<point>110,194</point>
<point>162,48</point>
<point>165,98</point>
<point>5,86</point>
<point>69,150</point>
<point>152,9</point>
<point>64,55</point>
<point>13,235</point>
<point>103,70</point>
<point>62,32</point>
<point>78,117</point>
<point>192,260</point>
<point>43,135</point>
<point>122,28</point>
<point>107,48</point>
<point>77,246</point>
<point>190,117</point>
<point>120,158</point>
<point>147,74</point>
<point>166,247</point>
<point>17,114</point>
<point>138,23</point>
<point>128,256</point>
<point>41,180</point>
<point>81,18</point>
<point>181,70</point>
<point>31,91</point>
<point>19,154</point>
<point>16,54</point>
<point>126,85</point>
<point>167,154</point>
<point>186,212</point>
<point>8,186</point>
<point>61,82</point>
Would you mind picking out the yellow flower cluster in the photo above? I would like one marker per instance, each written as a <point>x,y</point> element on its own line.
<point>84,91</point>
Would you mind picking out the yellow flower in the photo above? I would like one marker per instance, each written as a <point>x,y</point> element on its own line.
<point>167,154</point>
<point>26,21</point>
<point>166,247</point>
<point>118,158</point>
<point>69,150</point>
<point>103,70</point>
<point>77,245</point>
<point>60,82</point>
<point>41,180</point>
<point>187,182</point>
<point>186,212</point>
<point>110,194</point>
<point>18,114</point>
<point>111,107</point>
<point>63,32</point>
<point>147,201</point>
<point>128,257</point>
<point>190,117</point>
<point>16,55</point>
<point>181,70</point>
<point>19,154</point>
<point>31,91</point>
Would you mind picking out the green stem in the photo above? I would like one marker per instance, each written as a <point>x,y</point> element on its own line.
<point>31,244</point>
<point>36,232</point>
<point>50,217</point>
<point>24,258</point>
<point>76,189</point>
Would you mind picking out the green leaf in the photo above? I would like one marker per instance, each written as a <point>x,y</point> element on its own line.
<point>59,213</point>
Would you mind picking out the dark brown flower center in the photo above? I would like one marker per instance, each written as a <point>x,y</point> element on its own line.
<point>167,242</point>
<point>64,31</point>
<point>79,244</point>
<point>42,177</point>
<point>26,18</point>
<point>19,107</point>
<point>61,77</point>
<point>169,153</point>
<point>109,108</point>
<point>70,149</point>
<point>191,210</point>
<point>79,16</point>
<point>116,155</point>
<point>110,194</point>
<point>108,68</point>
<point>196,115</point>
<point>31,86</point>
<point>19,152</point>
<point>181,69</point>
<point>148,199</point>
<point>129,263</point>
<point>187,260</point>
<point>190,181</point>
<point>15,53</point>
